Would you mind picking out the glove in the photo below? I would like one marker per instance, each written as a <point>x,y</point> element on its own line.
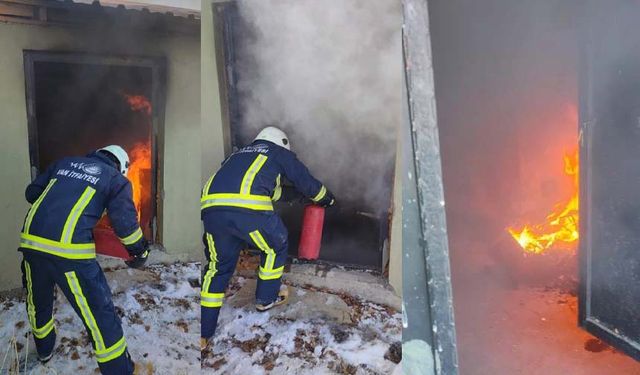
<point>327,201</point>
<point>138,261</point>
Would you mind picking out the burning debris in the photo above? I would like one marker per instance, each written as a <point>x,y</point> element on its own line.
<point>560,226</point>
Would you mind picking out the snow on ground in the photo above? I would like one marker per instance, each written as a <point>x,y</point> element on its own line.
<point>160,318</point>
<point>250,342</point>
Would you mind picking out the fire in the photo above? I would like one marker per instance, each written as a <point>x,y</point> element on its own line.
<point>139,103</point>
<point>560,226</point>
<point>140,156</point>
<point>139,173</point>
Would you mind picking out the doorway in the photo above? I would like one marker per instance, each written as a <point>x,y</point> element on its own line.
<point>77,103</point>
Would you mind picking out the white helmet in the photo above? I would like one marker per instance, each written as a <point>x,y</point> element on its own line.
<point>120,154</point>
<point>275,135</point>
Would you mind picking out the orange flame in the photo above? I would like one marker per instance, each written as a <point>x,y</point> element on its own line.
<point>140,155</point>
<point>561,226</point>
<point>139,103</point>
<point>139,174</point>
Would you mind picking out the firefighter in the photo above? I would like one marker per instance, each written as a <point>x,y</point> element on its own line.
<point>67,200</point>
<point>236,209</point>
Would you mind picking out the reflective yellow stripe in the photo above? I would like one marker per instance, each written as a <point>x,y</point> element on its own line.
<point>213,255</point>
<point>207,186</point>
<point>64,250</point>
<point>31,308</point>
<point>277,192</point>
<point>103,353</point>
<point>44,330</point>
<point>74,215</point>
<point>85,311</point>
<point>36,204</point>
<point>250,175</point>
<point>132,238</point>
<point>213,263</point>
<point>266,272</point>
<point>112,352</point>
<point>252,202</point>
<point>211,299</point>
<point>320,195</point>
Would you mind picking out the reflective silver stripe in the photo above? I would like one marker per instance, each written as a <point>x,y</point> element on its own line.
<point>74,215</point>
<point>89,250</point>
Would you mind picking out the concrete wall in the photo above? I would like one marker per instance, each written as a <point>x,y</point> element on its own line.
<point>211,121</point>
<point>395,246</point>
<point>182,145</point>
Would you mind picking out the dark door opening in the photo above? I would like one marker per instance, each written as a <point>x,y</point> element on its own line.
<point>78,103</point>
<point>355,233</point>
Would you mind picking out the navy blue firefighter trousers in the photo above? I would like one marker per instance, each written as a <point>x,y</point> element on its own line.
<point>86,289</point>
<point>227,232</point>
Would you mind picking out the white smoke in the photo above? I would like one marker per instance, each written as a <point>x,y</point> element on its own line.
<point>329,73</point>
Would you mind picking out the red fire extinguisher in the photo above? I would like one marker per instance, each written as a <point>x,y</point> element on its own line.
<point>311,236</point>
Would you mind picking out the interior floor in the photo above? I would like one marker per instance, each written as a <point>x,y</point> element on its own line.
<point>506,327</point>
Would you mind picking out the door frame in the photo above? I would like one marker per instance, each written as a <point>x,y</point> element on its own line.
<point>158,92</point>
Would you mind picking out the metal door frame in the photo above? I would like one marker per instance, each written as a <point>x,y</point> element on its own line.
<point>428,296</point>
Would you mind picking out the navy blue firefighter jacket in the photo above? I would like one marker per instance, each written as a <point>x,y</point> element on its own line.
<point>68,200</point>
<point>251,178</point>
